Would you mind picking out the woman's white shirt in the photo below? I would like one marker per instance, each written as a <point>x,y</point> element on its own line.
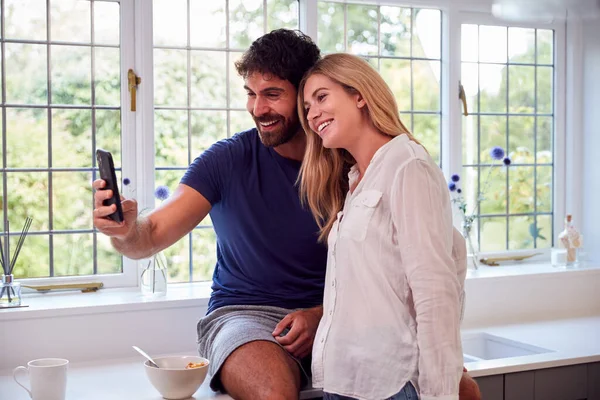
<point>394,283</point>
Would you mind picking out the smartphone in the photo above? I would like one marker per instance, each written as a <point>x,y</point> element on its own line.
<point>107,173</point>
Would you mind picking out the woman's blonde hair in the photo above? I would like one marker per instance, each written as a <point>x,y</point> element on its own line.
<point>323,175</point>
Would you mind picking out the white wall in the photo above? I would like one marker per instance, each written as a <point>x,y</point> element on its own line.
<point>591,127</point>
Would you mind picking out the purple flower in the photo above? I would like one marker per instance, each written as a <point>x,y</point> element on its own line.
<point>126,181</point>
<point>458,191</point>
<point>452,186</point>
<point>506,161</point>
<point>497,153</point>
<point>455,178</point>
<point>162,193</point>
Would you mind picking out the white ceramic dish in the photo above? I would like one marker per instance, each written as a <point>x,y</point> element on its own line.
<point>172,380</point>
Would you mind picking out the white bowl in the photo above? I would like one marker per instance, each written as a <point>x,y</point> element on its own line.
<point>172,380</point>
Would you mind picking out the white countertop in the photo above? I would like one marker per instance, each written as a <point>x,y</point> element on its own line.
<point>572,341</point>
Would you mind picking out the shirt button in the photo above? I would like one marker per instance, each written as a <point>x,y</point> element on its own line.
<point>330,312</point>
<point>322,340</point>
<point>333,283</point>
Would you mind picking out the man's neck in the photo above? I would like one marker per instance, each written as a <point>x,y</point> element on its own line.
<point>294,149</point>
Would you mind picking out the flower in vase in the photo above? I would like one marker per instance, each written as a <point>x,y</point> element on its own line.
<point>162,192</point>
<point>468,218</point>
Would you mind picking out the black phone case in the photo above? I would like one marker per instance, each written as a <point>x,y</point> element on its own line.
<point>107,173</point>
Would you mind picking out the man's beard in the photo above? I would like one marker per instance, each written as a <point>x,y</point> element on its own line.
<point>285,131</point>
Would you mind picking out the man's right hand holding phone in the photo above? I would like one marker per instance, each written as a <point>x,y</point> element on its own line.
<point>117,230</point>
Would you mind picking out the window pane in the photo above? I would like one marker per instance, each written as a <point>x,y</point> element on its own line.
<point>521,139</point>
<point>492,134</point>
<point>71,200</point>
<point>493,234</point>
<point>330,27</point>
<point>545,46</point>
<point>107,24</point>
<point>26,73</point>
<point>396,74</point>
<point>493,190</point>
<point>544,89</point>
<point>71,73</point>
<point>427,34</point>
<point>492,44</point>
<point>107,76</point>
<point>237,94</point>
<point>107,259</point>
<point>426,128</point>
<point>520,233</point>
<point>246,19</point>
<point>521,93</point>
<point>521,45</point>
<point>73,254</point>
<point>240,121</point>
<point>26,138</point>
<point>469,45</point>
<point>469,78</point>
<point>544,231</point>
<point>72,135</point>
<point>282,14</point>
<point>208,88</point>
<point>178,260</point>
<point>426,81</point>
<point>170,77</point>
<point>28,196</point>
<point>207,128</point>
<point>25,19</point>
<point>70,21</point>
<point>544,140</point>
<point>34,258</point>
<point>492,86</point>
<point>169,179</point>
<point>395,31</point>
<point>207,23</point>
<point>470,140</point>
<point>362,29</point>
<point>170,22</point>
<point>171,132</point>
<point>521,190</point>
<point>108,133</point>
<point>544,189</point>
<point>204,248</point>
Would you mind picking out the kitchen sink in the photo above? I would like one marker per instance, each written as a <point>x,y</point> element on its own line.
<point>483,346</point>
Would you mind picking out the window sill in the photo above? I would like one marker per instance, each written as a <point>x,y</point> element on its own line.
<point>44,305</point>
<point>196,295</point>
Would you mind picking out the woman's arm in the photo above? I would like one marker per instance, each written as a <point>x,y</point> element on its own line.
<point>421,212</point>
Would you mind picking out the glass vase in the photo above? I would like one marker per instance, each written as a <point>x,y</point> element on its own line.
<point>153,276</point>
<point>471,251</point>
<point>10,292</point>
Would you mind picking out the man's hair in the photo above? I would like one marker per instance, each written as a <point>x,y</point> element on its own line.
<point>285,53</point>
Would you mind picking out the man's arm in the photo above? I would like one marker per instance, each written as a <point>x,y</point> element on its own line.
<point>140,237</point>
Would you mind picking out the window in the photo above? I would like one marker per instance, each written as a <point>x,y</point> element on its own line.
<point>199,98</point>
<point>404,44</point>
<point>62,95</point>
<point>508,74</point>
<point>61,99</point>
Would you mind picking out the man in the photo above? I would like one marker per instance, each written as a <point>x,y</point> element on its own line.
<point>268,282</point>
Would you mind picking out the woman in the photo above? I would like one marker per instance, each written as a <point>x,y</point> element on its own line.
<point>396,265</point>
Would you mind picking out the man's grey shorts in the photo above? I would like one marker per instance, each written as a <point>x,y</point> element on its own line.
<point>227,328</point>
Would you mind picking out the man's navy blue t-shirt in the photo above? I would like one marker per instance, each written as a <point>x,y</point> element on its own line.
<point>267,250</point>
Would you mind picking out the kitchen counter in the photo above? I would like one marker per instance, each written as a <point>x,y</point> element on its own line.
<point>572,341</point>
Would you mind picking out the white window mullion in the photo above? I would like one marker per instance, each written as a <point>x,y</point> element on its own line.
<point>309,18</point>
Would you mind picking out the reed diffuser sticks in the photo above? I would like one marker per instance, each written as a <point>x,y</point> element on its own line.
<point>8,264</point>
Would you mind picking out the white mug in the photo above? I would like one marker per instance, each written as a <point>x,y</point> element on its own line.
<point>47,376</point>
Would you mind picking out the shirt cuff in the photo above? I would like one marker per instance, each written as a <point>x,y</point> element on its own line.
<point>447,397</point>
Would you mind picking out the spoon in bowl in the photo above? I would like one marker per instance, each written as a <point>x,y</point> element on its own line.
<point>142,352</point>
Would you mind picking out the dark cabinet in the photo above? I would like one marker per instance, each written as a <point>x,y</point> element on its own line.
<point>573,382</point>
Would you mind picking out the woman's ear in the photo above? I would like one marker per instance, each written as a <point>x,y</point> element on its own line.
<point>360,101</point>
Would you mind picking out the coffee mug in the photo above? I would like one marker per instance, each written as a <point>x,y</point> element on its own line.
<point>47,376</point>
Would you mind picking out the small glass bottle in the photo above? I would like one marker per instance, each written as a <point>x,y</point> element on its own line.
<point>10,292</point>
<point>570,239</point>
